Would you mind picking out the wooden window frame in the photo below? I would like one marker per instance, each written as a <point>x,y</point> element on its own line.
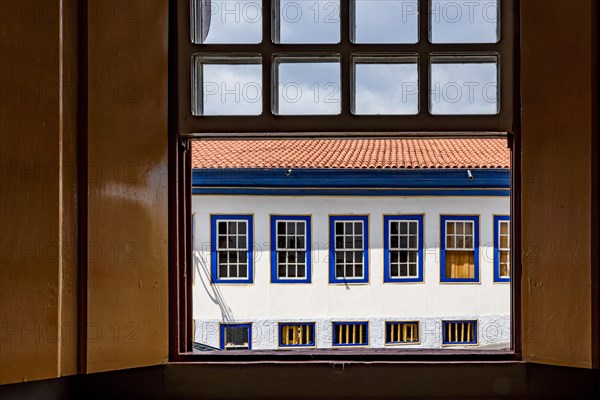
<point>402,323</point>
<point>181,130</point>
<point>224,326</point>
<point>307,248</point>
<point>348,324</point>
<point>476,250</point>
<point>282,325</point>
<point>474,342</point>
<point>214,253</point>
<point>387,220</point>
<point>333,219</point>
<point>497,220</point>
<point>268,124</point>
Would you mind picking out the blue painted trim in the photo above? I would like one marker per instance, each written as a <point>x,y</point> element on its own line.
<point>213,248</point>
<point>337,218</point>
<point>352,182</point>
<point>387,323</point>
<point>475,333</point>
<point>314,334</point>
<point>498,218</point>
<point>334,336</point>
<point>222,333</point>
<point>348,192</point>
<point>444,218</point>
<point>274,269</point>
<point>386,247</point>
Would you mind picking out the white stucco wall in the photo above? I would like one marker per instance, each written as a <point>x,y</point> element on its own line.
<point>265,303</point>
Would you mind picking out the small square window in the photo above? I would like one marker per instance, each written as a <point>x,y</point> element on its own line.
<point>464,21</point>
<point>385,86</point>
<point>464,85</point>
<point>384,21</point>
<point>227,86</point>
<point>459,332</point>
<point>402,332</point>
<point>315,21</point>
<point>350,334</point>
<point>307,86</point>
<point>236,336</point>
<point>297,334</point>
<point>226,21</point>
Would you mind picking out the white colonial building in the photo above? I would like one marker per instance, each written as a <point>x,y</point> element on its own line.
<point>337,243</point>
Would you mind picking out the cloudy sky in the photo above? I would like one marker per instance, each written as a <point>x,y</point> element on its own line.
<point>386,88</point>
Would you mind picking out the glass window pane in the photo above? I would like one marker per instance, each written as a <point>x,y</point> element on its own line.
<point>386,88</point>
<point>464,21</point>
<point>315,21</point>
<point>227,89</point>
<point>465,88</point>
<point>469,228</point>
<point>226,21</point>
<point>386,21</point>
<point>413,228</point>
<point>308,88</point>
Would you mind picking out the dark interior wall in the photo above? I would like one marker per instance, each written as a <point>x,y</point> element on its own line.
<point>316,381</point>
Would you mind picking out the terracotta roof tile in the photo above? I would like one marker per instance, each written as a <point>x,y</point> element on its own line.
<point>351,153</point>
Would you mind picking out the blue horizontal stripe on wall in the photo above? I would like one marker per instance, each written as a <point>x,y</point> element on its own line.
<point>352,182</point>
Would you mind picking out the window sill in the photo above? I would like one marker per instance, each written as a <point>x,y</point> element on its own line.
<point>347,355</point>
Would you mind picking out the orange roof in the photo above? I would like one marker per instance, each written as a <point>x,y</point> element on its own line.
<point>351,153</point>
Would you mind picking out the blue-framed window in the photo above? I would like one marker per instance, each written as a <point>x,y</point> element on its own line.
<point>459,237</point>
<point>349,249</point>
<point>290,249</point>
<point>459,332</point>
<point>501,248</point>
<point>300,334</point>
<point>231,248</point>
<point>236,336</point>
<point>402,332</point>
<point>403,248</point>
<point>350,333</point>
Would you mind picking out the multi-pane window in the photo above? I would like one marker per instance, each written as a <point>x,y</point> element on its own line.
<point>231,248</point>
<point>297,335</point>
<point>403,248</point>
<point>290,249</point>
<point>459,249</point>
<point>348,249</point>
<point>402,332</point>
<point>501,248</point>
<point>236,336</point>
<point>350,333</point>
<point>395,62</point>
<point>459,332</point>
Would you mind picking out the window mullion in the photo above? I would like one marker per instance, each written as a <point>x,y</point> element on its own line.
<point>423,72</point>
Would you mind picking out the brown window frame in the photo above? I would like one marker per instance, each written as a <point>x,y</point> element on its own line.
<point>183,127</point>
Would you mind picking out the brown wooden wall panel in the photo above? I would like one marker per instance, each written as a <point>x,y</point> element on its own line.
<point>127,151</point>
<point>556,40</point>
<point>37,202</point>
